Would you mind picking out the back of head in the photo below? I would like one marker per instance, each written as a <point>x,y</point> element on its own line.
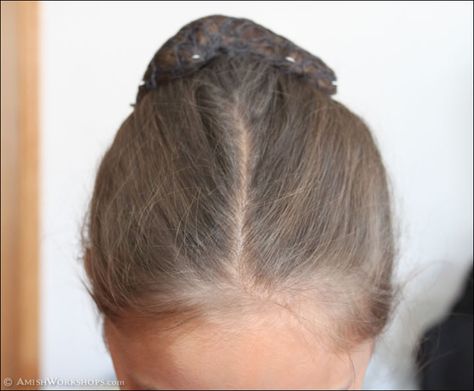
<point>236,189</point>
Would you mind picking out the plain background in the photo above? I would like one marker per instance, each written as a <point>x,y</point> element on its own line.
<point>406,68</point>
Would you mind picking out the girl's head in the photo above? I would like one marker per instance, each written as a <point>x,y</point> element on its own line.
<point>240,235</point>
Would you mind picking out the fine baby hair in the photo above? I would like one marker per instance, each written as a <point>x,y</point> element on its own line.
<point>238,184</point>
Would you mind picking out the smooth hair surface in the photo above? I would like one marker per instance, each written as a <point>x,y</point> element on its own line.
<point>237,188</point>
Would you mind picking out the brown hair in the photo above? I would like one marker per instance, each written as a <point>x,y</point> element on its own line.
<point>237,187</point>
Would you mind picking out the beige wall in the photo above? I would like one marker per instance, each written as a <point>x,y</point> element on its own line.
<point>19,221</point>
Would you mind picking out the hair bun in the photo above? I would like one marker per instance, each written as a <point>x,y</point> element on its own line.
<point>205,38</point>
